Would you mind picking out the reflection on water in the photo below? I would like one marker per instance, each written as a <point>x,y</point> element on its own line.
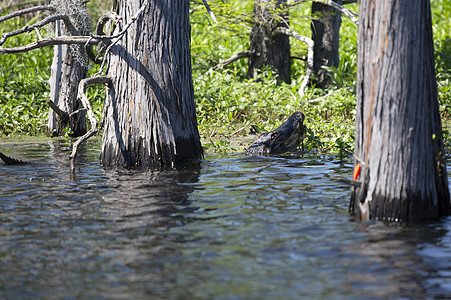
<point>234,228</point>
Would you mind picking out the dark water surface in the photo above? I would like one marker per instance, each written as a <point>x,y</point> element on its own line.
<point>236,228</point>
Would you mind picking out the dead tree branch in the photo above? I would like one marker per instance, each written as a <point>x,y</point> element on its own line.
<point>61,114</point>
<point>40,24</point>
<point>309,42</point>
<point>26,11</point>
<point>348,13</point>
<point>233,58</point>
<point>85,102</point>
<point>61,40</point>
<point>98,59</point>
<point>212,15</point>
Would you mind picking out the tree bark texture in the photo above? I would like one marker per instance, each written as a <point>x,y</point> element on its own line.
<point>398,126</point>
<point>326,22</point>
<point>266,47</point>
<point>66,72</point>
<point>150,117</point>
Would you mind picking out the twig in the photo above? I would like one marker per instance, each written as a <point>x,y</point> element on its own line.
<point>345,180</point>
<point>359,159</point>
<point>26,11</point>
<point>132,20</point>
<point>348,13</point>
<point>40,24</point>
<point>84,100</point>
<point>212,15</point>
<point>38,34</point>
<point>109,16</point>
<point>77,111</point>
<point>233,58</point>
<point>309,42</point>
<point>442,54</point>
<point>61,40</point>
<point>97,59</point>
<point>317,99</point>
<point>240,130</point>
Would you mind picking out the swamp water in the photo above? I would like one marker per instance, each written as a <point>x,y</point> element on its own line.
<point>236,228</point>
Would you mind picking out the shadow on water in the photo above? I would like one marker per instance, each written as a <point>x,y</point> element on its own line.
<point>237,227</point>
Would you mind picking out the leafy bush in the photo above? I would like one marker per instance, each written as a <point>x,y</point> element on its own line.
<point>23,86</point>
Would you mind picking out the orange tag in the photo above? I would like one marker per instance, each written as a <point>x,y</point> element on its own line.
<point>356,172</point>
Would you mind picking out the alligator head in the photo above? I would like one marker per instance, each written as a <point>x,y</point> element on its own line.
<point>285,138</point>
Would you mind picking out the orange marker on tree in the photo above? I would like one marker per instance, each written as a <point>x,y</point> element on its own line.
<point>356,172</point>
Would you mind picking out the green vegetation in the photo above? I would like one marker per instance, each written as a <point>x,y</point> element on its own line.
<point>228,103</point>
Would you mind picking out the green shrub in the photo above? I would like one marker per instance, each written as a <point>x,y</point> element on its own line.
<point>23,86</point>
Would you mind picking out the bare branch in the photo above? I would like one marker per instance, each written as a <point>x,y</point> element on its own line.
<point>38,33</point>
<point>26,11</point>
<point>132,20</point>
<point>309,42</point>
<point>61,40</point>
<point>212,15</point>
<point>348,13</point>
<point>109,16</point>
<point>40,24</point>
<point>64,116</point>
<point>85,102</point>
<point>233,58</point>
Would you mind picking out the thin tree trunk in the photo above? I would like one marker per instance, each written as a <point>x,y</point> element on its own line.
<point>398,134</point>
<point>67,70</point>
<point>268,48</point>
<point>150,118</point>
<point>325,25</point>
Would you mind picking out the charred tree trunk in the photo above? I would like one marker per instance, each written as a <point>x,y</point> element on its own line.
<point>398,133</point>
<point>68,68</point>
<point>326,22</point>
<point>150,118</point>
<point>266,47</point>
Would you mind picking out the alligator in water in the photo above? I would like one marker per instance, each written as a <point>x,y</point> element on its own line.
<point>285,138</point>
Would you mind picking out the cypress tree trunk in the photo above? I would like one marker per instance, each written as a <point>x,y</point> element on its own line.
<point>267,48</point>
<point>150,118</point>
<point>398,134</point>
<point>67,70</point>
<point>326,22</point>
